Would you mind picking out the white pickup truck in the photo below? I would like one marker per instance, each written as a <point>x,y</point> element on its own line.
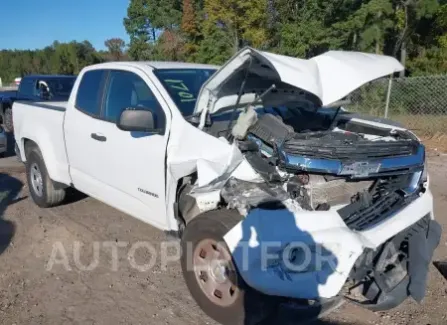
<point>281,198</point>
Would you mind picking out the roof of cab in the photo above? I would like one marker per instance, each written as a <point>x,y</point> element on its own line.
<point>158,65</point>
<point>47,76</point>
<point>180,65</point>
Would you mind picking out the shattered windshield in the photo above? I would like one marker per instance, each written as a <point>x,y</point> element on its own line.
<point>184,86</point>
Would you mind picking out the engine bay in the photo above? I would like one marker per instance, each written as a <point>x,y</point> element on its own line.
<point>323,162</point>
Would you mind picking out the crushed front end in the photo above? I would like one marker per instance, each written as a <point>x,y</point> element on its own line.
<point>362,197</point>
<point>354,191</point>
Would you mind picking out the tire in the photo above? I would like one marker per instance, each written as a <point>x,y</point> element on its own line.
<point>249,306</point>
<point>7,120</point>
<point>44,195</point>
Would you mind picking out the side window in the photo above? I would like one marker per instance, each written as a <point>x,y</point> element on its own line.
<point>126,89</point>
<point>88,99</point>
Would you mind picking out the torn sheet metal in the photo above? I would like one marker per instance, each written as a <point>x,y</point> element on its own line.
<point>243,195</point>
<point>198,151</point>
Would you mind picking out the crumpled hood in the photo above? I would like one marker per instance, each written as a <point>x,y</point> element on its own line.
<point>328,77</point>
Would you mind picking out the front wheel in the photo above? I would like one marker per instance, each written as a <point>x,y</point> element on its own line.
<point>40,185</point>
<point>212,277</point>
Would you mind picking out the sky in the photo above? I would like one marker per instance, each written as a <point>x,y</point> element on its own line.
<point>31,24</point>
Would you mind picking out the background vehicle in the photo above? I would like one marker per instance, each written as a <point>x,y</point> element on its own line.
<point>191,152</point>
<point>38,88</point>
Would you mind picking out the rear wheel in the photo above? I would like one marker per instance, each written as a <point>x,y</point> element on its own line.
<point>7,120</point>
<point>212,277</point>
<point>40,185</point>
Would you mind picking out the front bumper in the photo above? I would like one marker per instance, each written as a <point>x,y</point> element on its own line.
<point>264,233</point>
<point>398,269</point>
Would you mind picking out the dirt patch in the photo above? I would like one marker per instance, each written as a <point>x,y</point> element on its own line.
<point>34,292</point>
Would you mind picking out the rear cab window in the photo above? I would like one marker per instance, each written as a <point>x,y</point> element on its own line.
<point>88,98</point>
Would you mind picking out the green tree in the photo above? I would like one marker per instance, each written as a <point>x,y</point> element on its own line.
<point>229,25</point>
<point>146,20</point>
<point>190,30</point>
<point>59,58</point>
<point>366,28</point>
<point>213,30</point>
<point>301,26</point>
<point>116,48</point>
<point>409,14</point>
<point>428,50</point>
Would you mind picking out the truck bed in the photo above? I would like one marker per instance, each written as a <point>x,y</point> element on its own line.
<point>43,122</point>
<point>8,93</point>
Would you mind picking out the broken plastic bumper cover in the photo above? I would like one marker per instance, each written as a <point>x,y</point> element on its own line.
<point>400,267</point>
<point>337,246</point>
<point>384,198</point>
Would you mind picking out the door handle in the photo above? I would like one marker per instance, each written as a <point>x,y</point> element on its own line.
<point>98,137</point>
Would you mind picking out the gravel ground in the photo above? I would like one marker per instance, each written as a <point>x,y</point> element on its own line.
<point>32,291</point>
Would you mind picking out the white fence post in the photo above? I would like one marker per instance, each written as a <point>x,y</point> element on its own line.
<point>388,96</point>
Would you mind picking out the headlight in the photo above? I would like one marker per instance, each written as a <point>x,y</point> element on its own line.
<point>419,180</point>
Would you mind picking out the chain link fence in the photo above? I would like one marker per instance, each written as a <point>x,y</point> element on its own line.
<point>419,103</point>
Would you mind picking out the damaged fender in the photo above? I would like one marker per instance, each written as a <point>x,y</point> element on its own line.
<point>192,150</point>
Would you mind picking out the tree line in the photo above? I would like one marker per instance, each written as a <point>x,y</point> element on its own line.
<point>58,58</point>
<point>210,31</point>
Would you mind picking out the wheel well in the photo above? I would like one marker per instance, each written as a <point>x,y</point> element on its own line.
<point>4,106</point>
<point>28,145</point>
<point>184,207</point>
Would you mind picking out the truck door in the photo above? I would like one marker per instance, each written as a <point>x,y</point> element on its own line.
<point>123,169</point>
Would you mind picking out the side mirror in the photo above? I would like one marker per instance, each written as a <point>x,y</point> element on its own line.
<point>134,119</point>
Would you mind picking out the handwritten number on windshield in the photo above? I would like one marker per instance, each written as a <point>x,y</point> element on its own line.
<point>181,89</point>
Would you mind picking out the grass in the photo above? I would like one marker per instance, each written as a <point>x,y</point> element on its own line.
<point>425,125</point>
